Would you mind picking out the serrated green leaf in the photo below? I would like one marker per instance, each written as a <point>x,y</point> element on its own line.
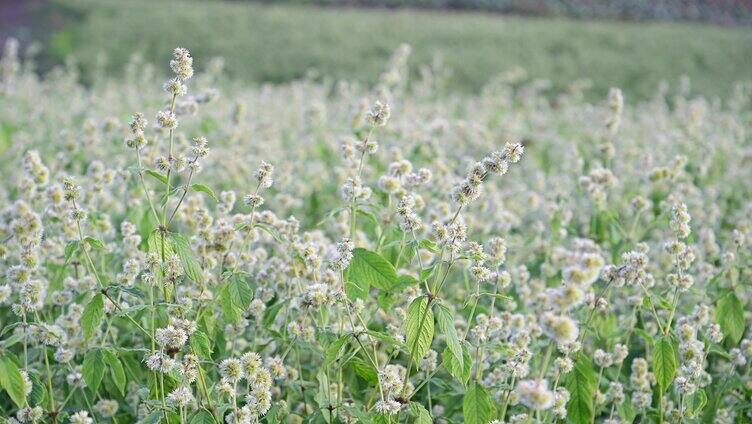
<point>93,369</point>
<point>730,316</point>
<point>370,269</point>
<point>234,298</point>
<point>459,371</point>
<point>116,370</point>
<point>12,381</point>
<point>419,328</point>
<point>191,265</point>
<point>334,349</point>
<point>230,312</point>
<point>155,244</point>
<point>422,416</point>
<point>200,344</point>
<point>94,242</point>
<point>240,291</point>
<point>365,371</point>
<point>153,418</point>
<point>38,393</point>
<point>476,405</point>
<point>445,322</point>
<point>92,316</point>
<point>664,363</point>
<point>581,383</point>
<point>201,417</point>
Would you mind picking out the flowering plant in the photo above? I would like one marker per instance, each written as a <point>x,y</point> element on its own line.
<point>496,258</point>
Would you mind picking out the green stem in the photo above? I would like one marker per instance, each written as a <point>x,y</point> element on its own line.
<point>143,184</point>
<point>507,396</point>
<point>592,312</point>
<point>546,359</point>
<point>169,161</point>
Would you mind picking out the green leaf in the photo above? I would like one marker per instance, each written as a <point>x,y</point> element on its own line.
<point>365,371</point>
<point>581,386</point>
<point>356,289</point>
<point>38,394</point>
<point>11,340</point>
<point>157,176</point>
<point>234,298</point>
<point>12,381</point>
<point>626,410</point>
<point>422,416</point>
<point>271,416</point>
<point>730,316</point>
<point>385,338</point>
<point>322,395</point>
<point>201,345</point>
<point>272,231</point>
<point>240,291</point>
<point>419,328</point>
<point>92,316</point>
<point>206,190</point>
<point>386,300</point>
<point>699,401</point>
<point>334,349</point>
<point>647,338</point>
<point>370,269</point>
<point>664,363</point>
<point>202,417</point>
<point>445,322</point>
<point>116,370</point>
<point>70,249</point>
<point>153,418</point>
<point>93,369</point>
<point>271,313</point>
<point>459,371</point>
<point>476,405</point>
<point>426,273</point>
<point>404,281</point>
<point>429,245</point>
<point>155,244</point>
<point>230,312</point>
<point>190,264</point>
<point>94,242</point>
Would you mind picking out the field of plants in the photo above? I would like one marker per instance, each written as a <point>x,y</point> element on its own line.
<point>192,250</point>
<point>283,42</point>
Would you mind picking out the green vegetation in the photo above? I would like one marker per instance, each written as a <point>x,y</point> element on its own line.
<point>182,251</point>
<point>279,43</point>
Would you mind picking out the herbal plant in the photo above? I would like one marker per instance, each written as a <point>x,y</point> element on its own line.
<point>499,258</point>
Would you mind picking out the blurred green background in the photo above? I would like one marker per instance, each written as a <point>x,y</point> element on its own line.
<point>283,41</point>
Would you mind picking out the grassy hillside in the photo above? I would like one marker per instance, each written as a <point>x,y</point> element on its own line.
<point>279,43</point>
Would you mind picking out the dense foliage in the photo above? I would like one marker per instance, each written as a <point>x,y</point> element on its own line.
<point>329,253</point>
